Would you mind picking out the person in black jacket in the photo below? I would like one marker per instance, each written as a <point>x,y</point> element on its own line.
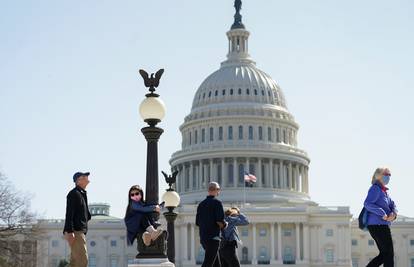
<point>210,220</point>
<point>76,220</point>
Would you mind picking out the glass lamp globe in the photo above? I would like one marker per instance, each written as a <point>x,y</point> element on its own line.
<point>171,198</point>
<point>152,108</point>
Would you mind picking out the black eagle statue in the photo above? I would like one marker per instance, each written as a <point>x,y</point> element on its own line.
<point>170,179</point>
<point>151,82</point>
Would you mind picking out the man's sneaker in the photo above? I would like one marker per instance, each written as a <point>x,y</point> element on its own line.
<point>147,238</point>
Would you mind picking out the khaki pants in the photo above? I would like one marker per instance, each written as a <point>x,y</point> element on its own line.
<point>78,251</point>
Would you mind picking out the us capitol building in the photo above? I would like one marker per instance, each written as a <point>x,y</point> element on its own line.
<point>239,121</point>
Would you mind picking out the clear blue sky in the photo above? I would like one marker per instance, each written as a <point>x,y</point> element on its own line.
<point>70,90</point>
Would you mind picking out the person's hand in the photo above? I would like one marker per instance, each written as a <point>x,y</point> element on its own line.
<point>70,237</point>
<point>385,218</point>
<point>157,209</point>
<point>391,217</point>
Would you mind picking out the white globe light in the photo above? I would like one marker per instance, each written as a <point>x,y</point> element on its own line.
<point>152,108</point>
<point>171,198</point>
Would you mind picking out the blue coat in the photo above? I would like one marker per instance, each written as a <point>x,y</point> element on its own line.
<point>378,203</point>
<point>133,219</point>
<point>230,233</point>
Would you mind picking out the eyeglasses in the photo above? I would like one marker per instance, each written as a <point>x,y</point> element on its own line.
<point>134,194</point>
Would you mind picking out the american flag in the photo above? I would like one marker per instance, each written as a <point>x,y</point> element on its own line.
<point>249,178</point>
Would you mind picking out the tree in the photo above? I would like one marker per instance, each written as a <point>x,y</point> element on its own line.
<point>18,231</point>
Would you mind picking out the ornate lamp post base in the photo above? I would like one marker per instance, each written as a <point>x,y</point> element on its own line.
<point>157,249</point>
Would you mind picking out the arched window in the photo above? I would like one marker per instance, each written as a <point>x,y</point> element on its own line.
<point>269,134</point>
<point>224,92</point>
<point>247,91</point>
<point>263,175</point>
<point>277,135</point>
<point>245,254</point>
<point>255,91</point>
<point>263,257</point>
<point>211,134</point>
<point>268,93</point>
<point>284,137</point>
<point>219,178</point>
<point>203,135</point>
<point>262,92</point>
<point>240,132</point>
<point>230,133</point>
<point>250,132</point>
<point>220,133</point>
<point>231,91</point>
<point>209,94</point>
<point>91,260</point>
<point>216,93</point>
<point>204,95</point>
<point>288,256</point>
<point>195,137</point>
<point>230,174</point>
<point>240,91</point>
<point>241,174</point>
<point>260,133</point>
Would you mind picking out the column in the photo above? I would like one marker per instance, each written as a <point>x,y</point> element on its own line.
<point>192,257</point>
<point>235,173</point>
<point>297,176</point>
<point>307,179</point>
<point>320,252</point>
<point>281,175</point>
<point>272,243</point>
<point>290,176</point>
<point>279,243</point>
<point>211,178</point>
<point>338,244</point>
<point>271,178</point>
<point>200,174</point>
<point>197,176</point>
<point>297,226</point>
<point>191,176</point>
<point>306,242</point>
<point>184,238</point>
<point>182,176</point>
<point>259,173</point>
<point>223,176</point>
<point>302,185</point>
<point>254,251</point>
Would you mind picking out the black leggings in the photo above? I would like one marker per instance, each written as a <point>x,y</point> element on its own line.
<point>228,254</point>
<point>382,236</point>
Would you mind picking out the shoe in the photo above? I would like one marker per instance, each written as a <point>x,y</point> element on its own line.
<point>147,238</point>
<point>155,234</point>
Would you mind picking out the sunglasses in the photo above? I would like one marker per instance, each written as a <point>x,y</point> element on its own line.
<point>134,194</point>
<point>386,174</point>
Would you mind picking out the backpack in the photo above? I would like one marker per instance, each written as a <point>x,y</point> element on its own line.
<point>363,219</point>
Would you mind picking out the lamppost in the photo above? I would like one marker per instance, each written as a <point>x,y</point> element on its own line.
<point>172,200</point>
<point>152,111</point>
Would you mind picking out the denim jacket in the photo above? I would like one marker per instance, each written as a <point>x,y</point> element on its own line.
<point>230,233</point>
<point>378,203</point>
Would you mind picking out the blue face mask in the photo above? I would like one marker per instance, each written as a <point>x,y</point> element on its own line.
<point>386,179</point>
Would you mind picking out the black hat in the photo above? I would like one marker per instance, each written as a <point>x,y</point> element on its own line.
<point>79,174</point>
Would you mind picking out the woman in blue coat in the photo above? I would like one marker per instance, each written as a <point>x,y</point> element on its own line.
<point>138,219</point>
<point>381,212</point>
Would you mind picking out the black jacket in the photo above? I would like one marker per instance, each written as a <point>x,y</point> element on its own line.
<point>209,212</point>
<point>77,211</point>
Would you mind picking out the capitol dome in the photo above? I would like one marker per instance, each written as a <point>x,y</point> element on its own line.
<point>240,124</point>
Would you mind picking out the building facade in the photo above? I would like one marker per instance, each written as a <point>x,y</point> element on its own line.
<point>239,122</point>
<point>106,241</point>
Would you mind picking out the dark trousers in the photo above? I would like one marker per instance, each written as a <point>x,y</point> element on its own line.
<point>228,256</point>
<point>382,236</point>
<point>211,258</point>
